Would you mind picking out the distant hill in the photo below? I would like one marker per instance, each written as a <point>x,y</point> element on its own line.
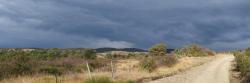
<point>101,50</point>
<point>98,50</point>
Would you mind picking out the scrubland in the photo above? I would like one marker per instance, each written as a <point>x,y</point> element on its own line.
<point>70,66</point>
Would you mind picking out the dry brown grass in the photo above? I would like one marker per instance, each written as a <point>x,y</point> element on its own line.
<point>125,70</point>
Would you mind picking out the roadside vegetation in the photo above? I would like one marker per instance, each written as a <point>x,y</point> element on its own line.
<point>194,50</point>
<point>158,57</point>
<point>243,64</point>
<point>91,67</point>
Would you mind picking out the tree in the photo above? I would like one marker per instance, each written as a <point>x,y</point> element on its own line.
<point>158,49</point>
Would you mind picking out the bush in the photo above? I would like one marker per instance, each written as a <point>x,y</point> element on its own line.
<point>51,70</point>
<point>158,50</point>
<point>194,50</point>
<point>99,80</point>
<point>131,55</point>
<point>243,64</point>
<point>89,54</point>
<point>21,65</point>
<point>148,65</point>
<point>169,60</point>
<point>5,70</point>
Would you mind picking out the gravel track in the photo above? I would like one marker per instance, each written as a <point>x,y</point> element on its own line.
<point>216,71</point>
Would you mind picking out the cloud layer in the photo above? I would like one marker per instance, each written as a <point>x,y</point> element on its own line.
<point>217,24</point>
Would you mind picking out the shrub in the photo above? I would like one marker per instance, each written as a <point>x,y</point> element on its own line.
<point>131,55</point>
<point>51,70</point>
<point>109,56</point>
<point>148,65</point>
<point>17,65</point>
<point>21,65</point>
<point>81,68</point>
<point>178,52</point>
<point>99,80</point>
<point>170,60</point>
<point>5,70</point>
<point>158,49</point>
<point>243,64</point>
<point>194,50</point>
<point>89,54</point>
<point>99,64</point>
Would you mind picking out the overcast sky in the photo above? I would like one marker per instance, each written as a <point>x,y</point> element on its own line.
<point>217,24</point>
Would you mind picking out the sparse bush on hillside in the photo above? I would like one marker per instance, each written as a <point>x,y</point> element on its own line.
<point>194,51</point>
<point>51,70</point>
<point>21,65</point>
<point>158,50</point>
<point>100,65</point>
<point>131,55</point>
<point>109,56</point>
<point>151,63</point>
<point>169,60</point>
<point>89,54</point>
<point>157,58</point>
<point>148,65</point>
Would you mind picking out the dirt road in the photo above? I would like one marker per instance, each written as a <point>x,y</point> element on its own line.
<point>216,71</point>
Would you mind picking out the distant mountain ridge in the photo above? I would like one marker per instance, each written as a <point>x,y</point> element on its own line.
<point>98,50</point>
<point>101,50</point>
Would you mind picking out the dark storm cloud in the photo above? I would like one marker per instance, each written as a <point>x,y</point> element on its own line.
<point>217,24</point>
